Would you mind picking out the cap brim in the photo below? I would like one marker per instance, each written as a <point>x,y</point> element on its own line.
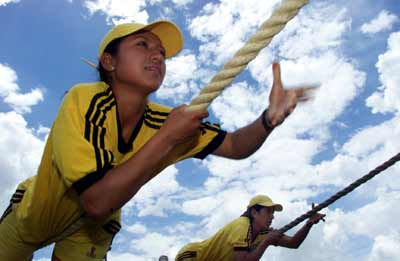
<point>169,35</point>
<point>277,207</point>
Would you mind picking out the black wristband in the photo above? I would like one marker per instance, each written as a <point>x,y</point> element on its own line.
<point>266,123</point>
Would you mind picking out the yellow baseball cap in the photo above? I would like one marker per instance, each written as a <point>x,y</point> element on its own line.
<point>265,201</point>
<point>169,34</point>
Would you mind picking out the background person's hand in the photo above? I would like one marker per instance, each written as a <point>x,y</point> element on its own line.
<point>314,219</point>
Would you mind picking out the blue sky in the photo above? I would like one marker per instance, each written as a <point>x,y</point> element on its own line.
<point>351,47</point>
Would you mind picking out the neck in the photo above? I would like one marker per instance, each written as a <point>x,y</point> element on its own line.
<point>131,103</point>
<point>255,230</point>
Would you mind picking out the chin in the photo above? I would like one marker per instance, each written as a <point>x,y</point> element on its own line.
<point>152,88</point>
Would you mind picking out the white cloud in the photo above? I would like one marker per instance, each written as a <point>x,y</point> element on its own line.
<point>125,257</point>
<point>387,98</point>
<point>5,2</point>
<point>317,28</point>
<point>383,22</point>
<point>222,28</point>
<point>155,244</point>
<point>22,103</point>
<point>119,11</point>
<point>181,78</point>
<point>200,206</point>
<point>136,228</point>
<point>386,247</point>
<point>182,2</point>
<point>157,196</point>
<point>8,81</point>
<point>9,91</point>
<point>21,151</point>
<point>20,145</point>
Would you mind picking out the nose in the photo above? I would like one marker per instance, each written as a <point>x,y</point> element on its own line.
<point>157,56</point>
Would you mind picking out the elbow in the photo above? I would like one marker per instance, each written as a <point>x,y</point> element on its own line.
<point>94,210</point>
<point>239,156</point>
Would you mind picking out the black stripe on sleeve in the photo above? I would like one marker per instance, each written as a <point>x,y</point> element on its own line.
<point>112,227</point>
<point>158,120</point>
<point>81,185</point>
<point>91,109</point>
<point>115,223</point>
<point>158,113</point>
<point>6,213</point>
<point>241,249</point>
<point>213,145</point>
<point>94,133</point>
<point>186,254</point>
<point>151,125</point>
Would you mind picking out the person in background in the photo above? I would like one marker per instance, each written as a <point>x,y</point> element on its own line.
<point>247,237</point>
<point>163,258</point>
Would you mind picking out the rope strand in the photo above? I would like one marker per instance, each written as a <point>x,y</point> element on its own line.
<point>279,18</point>
<point>342,193</point>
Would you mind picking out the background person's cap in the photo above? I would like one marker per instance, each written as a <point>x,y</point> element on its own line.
<point>168,33</point>
<point>265,201</point>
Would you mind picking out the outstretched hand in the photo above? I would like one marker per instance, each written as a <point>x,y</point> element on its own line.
<point>314,219</point>
<point>282,102</point>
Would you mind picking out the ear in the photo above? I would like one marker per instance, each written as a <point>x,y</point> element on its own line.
<point>107,62</point>
<point>253,212</point>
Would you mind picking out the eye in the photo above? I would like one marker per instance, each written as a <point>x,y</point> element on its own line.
<point>142,43</point>
<point>162,52</point>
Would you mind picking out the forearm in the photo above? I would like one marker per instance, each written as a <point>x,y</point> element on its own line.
<point>247,140</point>
<point>121,183</point>
<point>254,254</point>
<point>300,235</point>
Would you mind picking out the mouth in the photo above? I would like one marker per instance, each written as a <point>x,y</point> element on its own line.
<point>153,68</point>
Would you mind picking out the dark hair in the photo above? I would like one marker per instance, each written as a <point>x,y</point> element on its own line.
<point>247,213</point>
<point>112,48</point>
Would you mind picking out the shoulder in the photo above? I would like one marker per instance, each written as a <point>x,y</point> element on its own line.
<point>238,224</point>
<point>82,94</point>
<point>155,108</point>
<point>87,90</point>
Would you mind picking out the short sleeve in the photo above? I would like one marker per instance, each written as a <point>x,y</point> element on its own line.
<point>260,237</point>
<point>238,236</point>
<point>78,146</point>
<point>209,138</point>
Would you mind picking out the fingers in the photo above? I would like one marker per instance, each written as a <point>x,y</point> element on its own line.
<point>306,93</point>
<point>196,114</point>
<point>276,73</point>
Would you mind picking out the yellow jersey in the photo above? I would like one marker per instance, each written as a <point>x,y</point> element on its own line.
<point>235,236</point>
<point>85,142</point>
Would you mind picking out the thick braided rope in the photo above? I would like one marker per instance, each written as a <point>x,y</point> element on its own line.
<point>342,193</point>
<point>279,18</point>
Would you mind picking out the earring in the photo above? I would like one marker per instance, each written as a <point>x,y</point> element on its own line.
<point>112,68</point>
